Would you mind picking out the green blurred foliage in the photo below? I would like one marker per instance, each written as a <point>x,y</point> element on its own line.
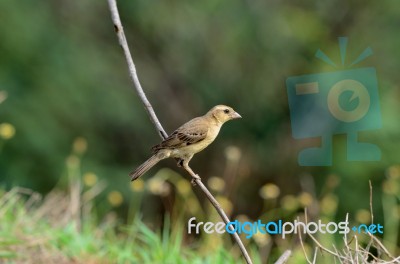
<point>66,78</point>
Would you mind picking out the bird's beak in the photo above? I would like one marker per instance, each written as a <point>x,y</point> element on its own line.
<point>235,116</point>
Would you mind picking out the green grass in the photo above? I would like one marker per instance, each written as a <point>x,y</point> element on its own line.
<point>40,232</point>
<point>50,230</point>
<point>64,227</point>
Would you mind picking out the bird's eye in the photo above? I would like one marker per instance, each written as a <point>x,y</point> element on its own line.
<point>226,111</point>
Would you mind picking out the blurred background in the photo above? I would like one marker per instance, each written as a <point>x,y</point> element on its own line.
<point>67,103</point>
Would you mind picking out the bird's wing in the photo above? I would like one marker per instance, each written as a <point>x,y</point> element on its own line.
<point>192,132</point>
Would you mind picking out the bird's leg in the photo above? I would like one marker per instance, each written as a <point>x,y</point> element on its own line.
<point>185,165</point>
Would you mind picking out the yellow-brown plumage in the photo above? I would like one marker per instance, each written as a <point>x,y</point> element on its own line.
<point>189,139</point>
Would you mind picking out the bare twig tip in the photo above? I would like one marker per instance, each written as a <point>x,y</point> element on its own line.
<point>284,257</point>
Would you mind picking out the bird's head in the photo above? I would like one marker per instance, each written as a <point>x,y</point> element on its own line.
<point>223,113</point>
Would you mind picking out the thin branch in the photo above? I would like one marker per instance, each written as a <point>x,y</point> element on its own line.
<point>284,257</point>
<point>301,240</point>
<point>324,248</point>
<point>132,69</point>
<point>380,245</point>
<point>319,244</point>
<point>315,255</point>
<point>346,243</point>
<point>139,90</point>
<point>370,202</point>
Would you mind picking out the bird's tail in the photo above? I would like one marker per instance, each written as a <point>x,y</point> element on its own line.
<point>142,169</point>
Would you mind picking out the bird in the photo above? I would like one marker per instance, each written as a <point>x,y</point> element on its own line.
<point>189,139</point>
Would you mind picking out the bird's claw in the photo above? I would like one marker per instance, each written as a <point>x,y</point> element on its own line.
<point>195,177</point>
<point>179,163</point>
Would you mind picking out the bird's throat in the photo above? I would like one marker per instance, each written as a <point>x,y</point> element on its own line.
<point>216,120</point>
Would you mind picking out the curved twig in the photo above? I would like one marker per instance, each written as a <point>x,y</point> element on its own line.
<point>150,111</point>
<point>132,69</point>
<point>284,257</point>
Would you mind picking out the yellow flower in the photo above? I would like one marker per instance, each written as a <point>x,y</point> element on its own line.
<point>363,216</point>
<point>269,191</point>
<point>393,172</point>
<point>89,179</point>
<point>7,130</point>
<point>183,187</point>
<point>115,198</point>
<point>243,218</point>
<point>329,204</point>
<point>159,187</point>
<point>233,153</point>
<point>79,145</point>
<point>261,239</point>
<point>217,184</point>
<point>137,185</point>
<point>390,186</point>
<point>305,199</point>
<point>289,202</point>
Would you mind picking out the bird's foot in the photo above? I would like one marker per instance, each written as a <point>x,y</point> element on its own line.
<point>179,162</point>
<point>195,177</point>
